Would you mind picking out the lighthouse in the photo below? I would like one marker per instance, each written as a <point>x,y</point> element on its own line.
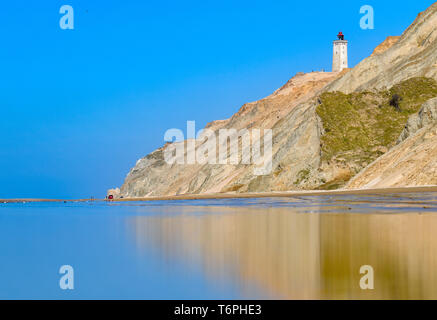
<point>339,61</point>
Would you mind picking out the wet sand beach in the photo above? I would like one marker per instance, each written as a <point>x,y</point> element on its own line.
<point>249,195</point>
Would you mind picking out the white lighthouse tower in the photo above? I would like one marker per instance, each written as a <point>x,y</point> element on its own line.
<point>339,61</point>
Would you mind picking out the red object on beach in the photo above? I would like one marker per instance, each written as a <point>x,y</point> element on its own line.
<point>110,197</point>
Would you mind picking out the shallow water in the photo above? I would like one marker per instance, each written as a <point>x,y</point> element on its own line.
<point>286,248</point>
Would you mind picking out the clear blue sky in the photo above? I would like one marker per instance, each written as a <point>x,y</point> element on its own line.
<point>80,107</point>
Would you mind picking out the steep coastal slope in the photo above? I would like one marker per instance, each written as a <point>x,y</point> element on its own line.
<point>362,126</point>
<point>387,44</point>
<point>327,127</point>
<point>296,134</point>
<point>413,162</point>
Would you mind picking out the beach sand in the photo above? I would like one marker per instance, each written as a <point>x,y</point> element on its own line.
<point>248,195</point>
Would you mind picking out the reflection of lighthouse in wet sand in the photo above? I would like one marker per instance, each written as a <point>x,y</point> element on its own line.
<point>339,61</point>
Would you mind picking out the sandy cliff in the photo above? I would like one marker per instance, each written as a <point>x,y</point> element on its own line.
<point>327,128</point>
<point>413,162</point>
<point>289,111</point>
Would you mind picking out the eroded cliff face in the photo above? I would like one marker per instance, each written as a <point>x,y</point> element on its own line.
<point>387,44</point>
<point>302,156</point>
<point>362,126</point>
<point>413,162</point>
<point>289,112</point>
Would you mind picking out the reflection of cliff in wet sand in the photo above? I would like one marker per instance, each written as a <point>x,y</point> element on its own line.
<point>288,254</point>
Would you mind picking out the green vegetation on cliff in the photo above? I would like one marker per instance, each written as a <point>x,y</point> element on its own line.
<point>361,126</point>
